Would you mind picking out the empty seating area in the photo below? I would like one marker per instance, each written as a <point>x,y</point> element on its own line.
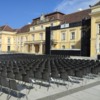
<point>27,70</point>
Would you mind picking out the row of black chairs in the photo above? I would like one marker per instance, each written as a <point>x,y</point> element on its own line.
<point>45,68</point>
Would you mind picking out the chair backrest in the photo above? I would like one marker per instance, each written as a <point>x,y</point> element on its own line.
<point>4,82</point>
<point>10,75</point>
<point>18,76</point>
<point>64,76</point>
<point>37,75</point>
<point>46,76</point>
<point>26,78</point>
<point>13,85</point>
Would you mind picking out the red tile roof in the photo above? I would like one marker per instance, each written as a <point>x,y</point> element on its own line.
<point>6,28</point>
<point>69,18</point>
<point>49,17</point>
<point>24,29</point>
<point>52,13</point>
<point>77,16</point>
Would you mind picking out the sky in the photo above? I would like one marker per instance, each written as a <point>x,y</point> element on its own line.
<point>17,13</point>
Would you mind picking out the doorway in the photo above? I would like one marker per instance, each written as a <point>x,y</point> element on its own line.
<point>8,48</point>
<point>36,48</point>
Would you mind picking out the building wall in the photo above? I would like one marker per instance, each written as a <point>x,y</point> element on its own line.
<point>95,36</point>
<point>35,31</point>
<point>67,42</point>
<point>19,42</point>
<point>22,42</point>
<point>4,42</point>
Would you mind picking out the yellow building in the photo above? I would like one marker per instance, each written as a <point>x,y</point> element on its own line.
<point>69,37</point>
<point>95,30</point>
<point>31,38</point>
<point>7,39</point>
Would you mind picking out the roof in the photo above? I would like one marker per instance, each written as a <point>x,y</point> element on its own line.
<point>69,18</point>
<point>77,16</point>
<point>48,17</point>
<point>24,29</point>
<point>52,13</point>
<point>6,28</point>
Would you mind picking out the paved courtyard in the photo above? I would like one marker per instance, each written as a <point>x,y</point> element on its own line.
<point>87,90</point>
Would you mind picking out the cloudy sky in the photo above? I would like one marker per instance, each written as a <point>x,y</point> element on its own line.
<point>17,13</point>
<point>68,6</point>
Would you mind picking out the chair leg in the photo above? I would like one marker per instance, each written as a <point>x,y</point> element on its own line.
<point>40,84</point>
<point>18,98</point>
<point>48,86</point>
<point>1,88</point>
<point>9,91</point>
<point>26,95</point>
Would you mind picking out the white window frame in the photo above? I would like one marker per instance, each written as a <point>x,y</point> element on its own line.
<point>72,36</point>
<point>9,40</point>
<point>42,27</point>
<point>63,36</point>
<point>41,36</point>
<point>33,37</point>
<point>33,28</point>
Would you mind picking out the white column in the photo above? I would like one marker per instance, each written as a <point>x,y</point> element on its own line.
<point>33,48</point>
<point>25,48</point>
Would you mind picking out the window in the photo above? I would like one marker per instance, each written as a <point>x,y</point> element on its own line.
<point>8,40</point>
<point>41,36</point>
<point>21,39</point>
<point>51,24</point>
<point>32,37</point>
<point>42,27</point>
<point>26,38</point>
<point>72,35</point>
<point>63,47</point>
<point>63,36</point>
<point>33,28</point>
<point>72,46</point>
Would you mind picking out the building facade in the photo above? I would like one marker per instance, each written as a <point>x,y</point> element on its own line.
<point>95,30</point>
<point>70,34</point>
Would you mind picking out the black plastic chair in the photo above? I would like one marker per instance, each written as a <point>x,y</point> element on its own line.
<point>10,75</point>
<point>13,87</point>
<point>4,84</point>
